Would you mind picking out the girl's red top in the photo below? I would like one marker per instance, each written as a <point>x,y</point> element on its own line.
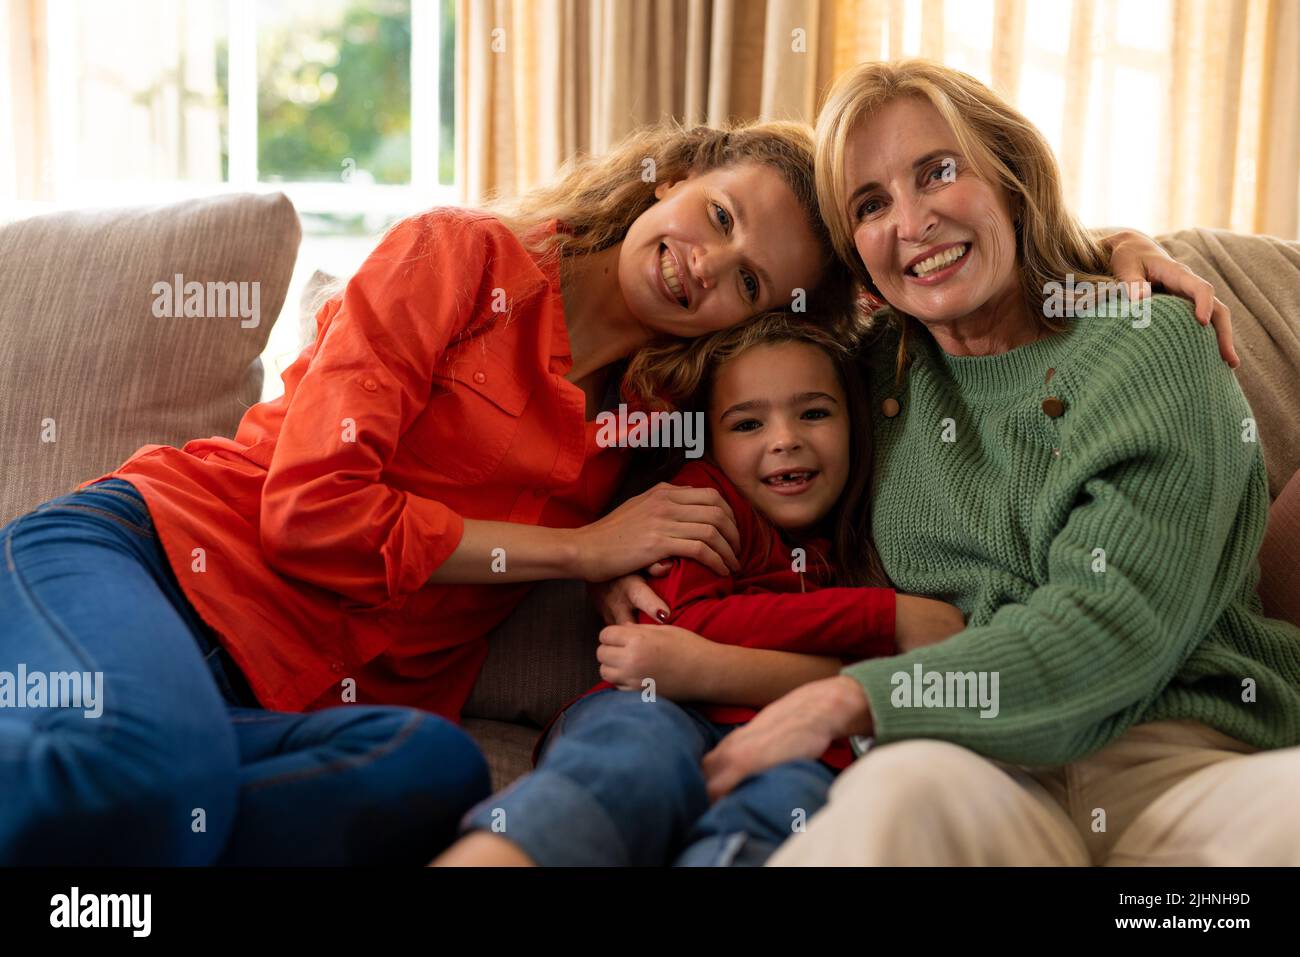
<point>779,600</point>
<point>434,393</point>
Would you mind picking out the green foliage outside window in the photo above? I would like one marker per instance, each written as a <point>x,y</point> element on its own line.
<point>334,91</point>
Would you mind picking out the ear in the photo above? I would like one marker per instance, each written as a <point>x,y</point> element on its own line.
<point>1015,205</point>
<point>666,186</point>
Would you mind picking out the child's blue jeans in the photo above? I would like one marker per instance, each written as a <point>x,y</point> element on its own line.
<point>619,783</point>
<point>180,766</point>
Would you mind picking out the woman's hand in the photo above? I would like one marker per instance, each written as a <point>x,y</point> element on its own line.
<point>619,600</point>
<point>1139,261</point>
<point>668,521</point>
<point>924,621</point>
<point>801,725</point>
<point>676,660</point>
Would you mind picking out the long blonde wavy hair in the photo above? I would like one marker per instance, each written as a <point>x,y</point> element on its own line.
<point>679,375</point>
<point>598,197</point>
<point>1003,148</point>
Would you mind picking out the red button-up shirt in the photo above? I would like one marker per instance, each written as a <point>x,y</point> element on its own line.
<point>434,393</point>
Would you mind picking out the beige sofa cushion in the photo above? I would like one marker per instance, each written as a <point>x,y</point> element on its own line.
<point>540,658</point>
<point>319,289</point>
<point>508,748</point>
<point>88,363</point>
<point>1258,278</point>
<point>1279,556</point>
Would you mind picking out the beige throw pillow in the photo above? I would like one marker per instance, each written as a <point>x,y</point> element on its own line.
<point>125,327</point>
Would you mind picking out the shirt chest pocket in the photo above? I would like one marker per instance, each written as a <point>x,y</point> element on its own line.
<point>470,422</point>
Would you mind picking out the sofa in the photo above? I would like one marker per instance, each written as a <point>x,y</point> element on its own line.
<point>91,372</point>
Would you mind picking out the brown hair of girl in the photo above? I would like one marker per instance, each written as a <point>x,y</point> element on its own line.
<point>679,375</point>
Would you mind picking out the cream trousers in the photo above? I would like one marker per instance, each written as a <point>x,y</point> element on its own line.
<point>1163,793</point>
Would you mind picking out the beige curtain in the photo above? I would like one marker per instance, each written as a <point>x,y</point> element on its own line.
<point>1235,118</point>
<point>25,136</point>
<point>543,79</point>
<point>1191,106</point>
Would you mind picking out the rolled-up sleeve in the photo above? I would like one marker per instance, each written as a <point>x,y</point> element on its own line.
<point>850,623</point>
<point>326,515</point>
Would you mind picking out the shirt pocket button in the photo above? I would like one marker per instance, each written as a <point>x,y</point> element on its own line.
<point>370,385</point>
<point>480,377</point>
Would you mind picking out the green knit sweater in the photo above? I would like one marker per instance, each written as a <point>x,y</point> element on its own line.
<point>1105,558</point>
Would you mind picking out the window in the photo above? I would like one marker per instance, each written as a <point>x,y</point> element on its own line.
<point>347,106</point>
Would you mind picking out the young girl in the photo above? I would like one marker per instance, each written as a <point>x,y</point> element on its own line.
<point>619,779</point>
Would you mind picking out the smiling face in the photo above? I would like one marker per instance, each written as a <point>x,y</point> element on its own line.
<point>716,249</point>
<point>937,239</point>
<point>780,431</point>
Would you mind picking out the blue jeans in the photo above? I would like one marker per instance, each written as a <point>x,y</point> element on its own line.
<point>619,783</point>
<point>173,762</point>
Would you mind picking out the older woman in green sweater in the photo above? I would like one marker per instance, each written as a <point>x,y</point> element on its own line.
<point>1084,480</point>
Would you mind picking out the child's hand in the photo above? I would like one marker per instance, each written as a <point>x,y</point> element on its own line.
<point>618,601</point>
<point>672,658</point>
<point>924,621</point>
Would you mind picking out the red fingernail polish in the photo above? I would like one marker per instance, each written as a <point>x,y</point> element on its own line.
<point>661,615</point>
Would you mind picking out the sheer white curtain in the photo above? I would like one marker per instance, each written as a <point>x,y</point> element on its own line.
<point>1163,114</point>
<point>24,123</point>
<point>99,93</point>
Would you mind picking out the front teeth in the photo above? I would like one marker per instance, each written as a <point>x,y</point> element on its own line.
<point>939,260</point>
<point>786,477</point>
<point>669,272</point>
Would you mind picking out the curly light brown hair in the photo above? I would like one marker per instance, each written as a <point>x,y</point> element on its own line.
<point>598,197</point>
